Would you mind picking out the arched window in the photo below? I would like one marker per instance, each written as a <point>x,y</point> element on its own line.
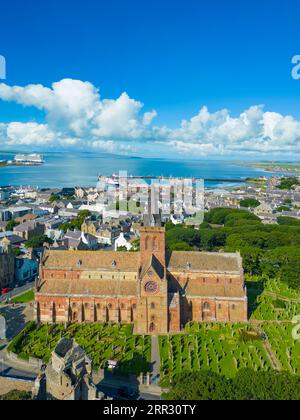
<point>152,327</point>
<point>155,244</point>
<point>152,305</point>
<point>206,306</point>
<point>147,243</point>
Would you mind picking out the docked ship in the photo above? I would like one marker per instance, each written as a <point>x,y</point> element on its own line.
<point>33,159</point>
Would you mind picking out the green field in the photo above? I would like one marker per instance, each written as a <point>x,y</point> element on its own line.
<point>102,343</point>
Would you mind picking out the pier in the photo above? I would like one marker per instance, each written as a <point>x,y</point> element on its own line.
<point>231,180</point>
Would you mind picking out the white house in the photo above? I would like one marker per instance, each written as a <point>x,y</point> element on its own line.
<point>122,242</point>
<point>177,219</point>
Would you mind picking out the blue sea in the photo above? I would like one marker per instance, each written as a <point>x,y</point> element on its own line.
<point>71,169</point>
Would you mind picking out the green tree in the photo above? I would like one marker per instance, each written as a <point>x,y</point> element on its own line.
<point>288,221</point>
<point>180,246</point>
<point>212,239</point>
<point>288,183</point>
<point>16,396</point>
<point>250,203</point>
<point>182,234</point>
<point>38,241</point>
<point>11,225</point>
<point>283,208</point>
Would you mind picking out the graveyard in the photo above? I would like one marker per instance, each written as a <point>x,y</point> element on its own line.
<point>102,343</point>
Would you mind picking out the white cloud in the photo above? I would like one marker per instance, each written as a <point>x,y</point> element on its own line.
<point>77,116</point>
<point>149,117</point>
<point>25,134</point>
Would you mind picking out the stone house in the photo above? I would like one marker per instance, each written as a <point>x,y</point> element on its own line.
<point>68,376</point>
<point>26,270</point>
<point>29,229</point>
<point>7,265</point>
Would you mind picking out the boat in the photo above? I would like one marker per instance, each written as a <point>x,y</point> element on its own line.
<point>33,159</point>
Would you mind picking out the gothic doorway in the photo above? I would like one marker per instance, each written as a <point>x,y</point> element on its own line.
<point>206,315</point>
<point>152,328</point>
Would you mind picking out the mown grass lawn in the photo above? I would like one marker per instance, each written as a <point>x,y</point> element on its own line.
<point>102,343</point>
<point>24,298</point>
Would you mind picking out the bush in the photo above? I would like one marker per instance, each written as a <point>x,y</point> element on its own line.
<point>247,385</point>
<point>16,396</point>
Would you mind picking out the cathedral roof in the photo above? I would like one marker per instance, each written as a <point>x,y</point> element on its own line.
<point>112,288</point>
<point>205,262</point>
<point>214,291</point>
<point>155,265</point>
<point>180,261</point>
<point>91,260</point>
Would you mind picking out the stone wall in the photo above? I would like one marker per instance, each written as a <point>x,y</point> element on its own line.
<point>31,363</point>
<point>10,384</point>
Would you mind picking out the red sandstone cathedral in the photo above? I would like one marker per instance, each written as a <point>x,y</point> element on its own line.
<point>158,292</point>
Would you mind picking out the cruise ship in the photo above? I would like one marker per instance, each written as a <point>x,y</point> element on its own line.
<point>33,159</point>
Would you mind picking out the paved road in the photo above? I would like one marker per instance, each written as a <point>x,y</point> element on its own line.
<point>112,392</point>
<point>155,359</point>
<point>17,291</point>
<point>16,318</point>
<point>11,372</point>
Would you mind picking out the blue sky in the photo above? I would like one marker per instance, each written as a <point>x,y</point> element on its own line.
<point>173,56</point>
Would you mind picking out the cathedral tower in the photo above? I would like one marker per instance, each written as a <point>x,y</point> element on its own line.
<point>152,305</point>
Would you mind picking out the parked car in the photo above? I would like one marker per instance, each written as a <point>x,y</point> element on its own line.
<point>6,290</point>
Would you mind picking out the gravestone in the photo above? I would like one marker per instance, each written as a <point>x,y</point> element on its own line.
<point>2,328</point>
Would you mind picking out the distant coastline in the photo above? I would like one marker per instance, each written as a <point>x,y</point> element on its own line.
<point>7,164</point>
<point>291,168</point>
<point>69,169</point>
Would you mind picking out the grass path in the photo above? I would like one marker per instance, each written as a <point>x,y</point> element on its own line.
<point>268,349</point>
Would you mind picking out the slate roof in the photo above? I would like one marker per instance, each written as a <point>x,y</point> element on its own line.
<point>205,262</point>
